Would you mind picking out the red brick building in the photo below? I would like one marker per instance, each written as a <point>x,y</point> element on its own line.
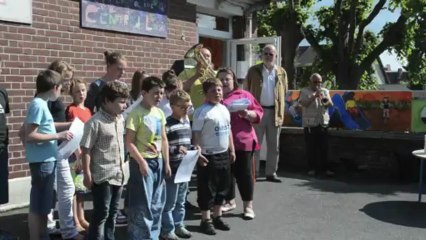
<point>56,33</point>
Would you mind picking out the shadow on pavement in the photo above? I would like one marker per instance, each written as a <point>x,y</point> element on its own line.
<point>11,223</point>
<point>404,213</point>
<point>347,184</point>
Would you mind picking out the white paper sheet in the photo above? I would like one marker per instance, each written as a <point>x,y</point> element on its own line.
<point>186,167</point>
<point>238,105</point>
<point>69,147</point>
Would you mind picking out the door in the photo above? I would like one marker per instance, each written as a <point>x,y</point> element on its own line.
<point>244,53</point>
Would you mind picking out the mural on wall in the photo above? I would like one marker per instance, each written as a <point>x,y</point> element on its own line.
<point>361,110</point>
<point>16,11</point>
<point>418,111</point>
<point>130,16</point>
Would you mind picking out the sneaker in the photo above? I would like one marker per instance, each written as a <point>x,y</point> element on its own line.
<point>169,236</point>
<point>248,214</point>
<point>273,178</point>
<point>207,227</point>
<point>229,206</point>
<point>221,225</point>
<point>121,217</point>
<point>182,232</point>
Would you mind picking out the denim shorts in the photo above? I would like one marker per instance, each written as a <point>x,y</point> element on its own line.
<point>42,180</point>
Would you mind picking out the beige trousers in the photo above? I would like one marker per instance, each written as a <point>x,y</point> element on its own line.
<point>267,127</point>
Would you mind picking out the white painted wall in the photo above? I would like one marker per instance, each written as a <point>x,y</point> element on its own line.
<point>19,194</point>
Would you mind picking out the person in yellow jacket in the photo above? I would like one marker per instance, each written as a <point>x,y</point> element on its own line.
<point>191,80</point>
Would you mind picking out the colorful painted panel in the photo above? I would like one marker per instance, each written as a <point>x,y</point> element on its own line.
<point>131,16</point>
<point>361,110</point>
<point>418,111</point>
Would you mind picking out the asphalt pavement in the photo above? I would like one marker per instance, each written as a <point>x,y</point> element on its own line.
<point>303,207</point>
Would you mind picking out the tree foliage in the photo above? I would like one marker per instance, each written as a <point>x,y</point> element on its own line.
<point>347,49</point>
<point>413,47</point>
<point>344,46</point>
<point>285,18</point>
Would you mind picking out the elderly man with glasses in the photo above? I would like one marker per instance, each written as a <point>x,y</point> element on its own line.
<point>315,101</point>
<point>268,83</point>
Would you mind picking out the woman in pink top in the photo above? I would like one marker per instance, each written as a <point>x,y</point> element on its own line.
<point>244,136</point>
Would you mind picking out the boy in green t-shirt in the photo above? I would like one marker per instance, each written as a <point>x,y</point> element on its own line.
<point>146,141</point>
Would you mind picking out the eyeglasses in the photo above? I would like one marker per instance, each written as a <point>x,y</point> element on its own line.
<point>316,82</point>
<point>268,54</point>
<point>184,108</point>
<point>226,79</point>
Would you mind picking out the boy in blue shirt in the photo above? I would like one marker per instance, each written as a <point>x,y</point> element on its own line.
<point>41,149</point>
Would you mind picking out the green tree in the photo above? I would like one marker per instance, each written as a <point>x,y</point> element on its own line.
<point>413,48</point>
<point>345,47</point>
<point>285,19</point>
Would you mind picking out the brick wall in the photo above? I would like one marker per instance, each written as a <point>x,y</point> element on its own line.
<point>56,34</point>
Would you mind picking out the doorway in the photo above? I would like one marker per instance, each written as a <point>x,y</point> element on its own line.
<point>217,48</point>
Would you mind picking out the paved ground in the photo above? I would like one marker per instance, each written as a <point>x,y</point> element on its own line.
<point>308,208</point>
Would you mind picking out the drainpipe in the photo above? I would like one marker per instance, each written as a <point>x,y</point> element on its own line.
<point>250,35</point>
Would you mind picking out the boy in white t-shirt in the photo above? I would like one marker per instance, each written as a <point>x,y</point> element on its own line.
<point>212,133</point>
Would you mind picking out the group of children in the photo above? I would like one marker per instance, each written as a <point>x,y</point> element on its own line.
<point>156,139</point>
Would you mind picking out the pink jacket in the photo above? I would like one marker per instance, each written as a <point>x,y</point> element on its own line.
<point>245,138</point>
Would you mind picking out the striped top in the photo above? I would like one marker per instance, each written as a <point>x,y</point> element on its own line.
<point>178,134</point>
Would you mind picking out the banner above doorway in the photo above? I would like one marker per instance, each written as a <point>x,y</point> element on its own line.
<point>137,17</point>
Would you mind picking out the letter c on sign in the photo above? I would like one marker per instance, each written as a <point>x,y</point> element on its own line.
<point>91,9</point>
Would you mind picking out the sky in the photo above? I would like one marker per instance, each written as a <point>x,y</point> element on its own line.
<point>376,25</point>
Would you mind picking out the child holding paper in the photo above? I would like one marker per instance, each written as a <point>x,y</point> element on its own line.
<point>178,132</point>
<point>41,150</point>
<point>78,91</point>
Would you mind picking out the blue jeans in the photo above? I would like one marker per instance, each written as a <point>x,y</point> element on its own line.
<point>174,209</point>
<point>106,198</point>
<point>146,200</point>
<point>65,193</point>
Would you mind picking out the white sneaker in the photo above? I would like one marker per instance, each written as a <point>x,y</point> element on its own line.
<point>248,214</point>
<point>182,232</point>
<point>229,207</point>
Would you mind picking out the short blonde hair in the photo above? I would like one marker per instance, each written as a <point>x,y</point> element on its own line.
<point>62,68</point>
<point>178,96</point>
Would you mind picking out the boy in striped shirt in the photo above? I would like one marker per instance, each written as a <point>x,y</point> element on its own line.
<point>178,132</point>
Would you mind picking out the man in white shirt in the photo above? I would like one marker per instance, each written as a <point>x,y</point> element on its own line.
<point>268,84</point>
